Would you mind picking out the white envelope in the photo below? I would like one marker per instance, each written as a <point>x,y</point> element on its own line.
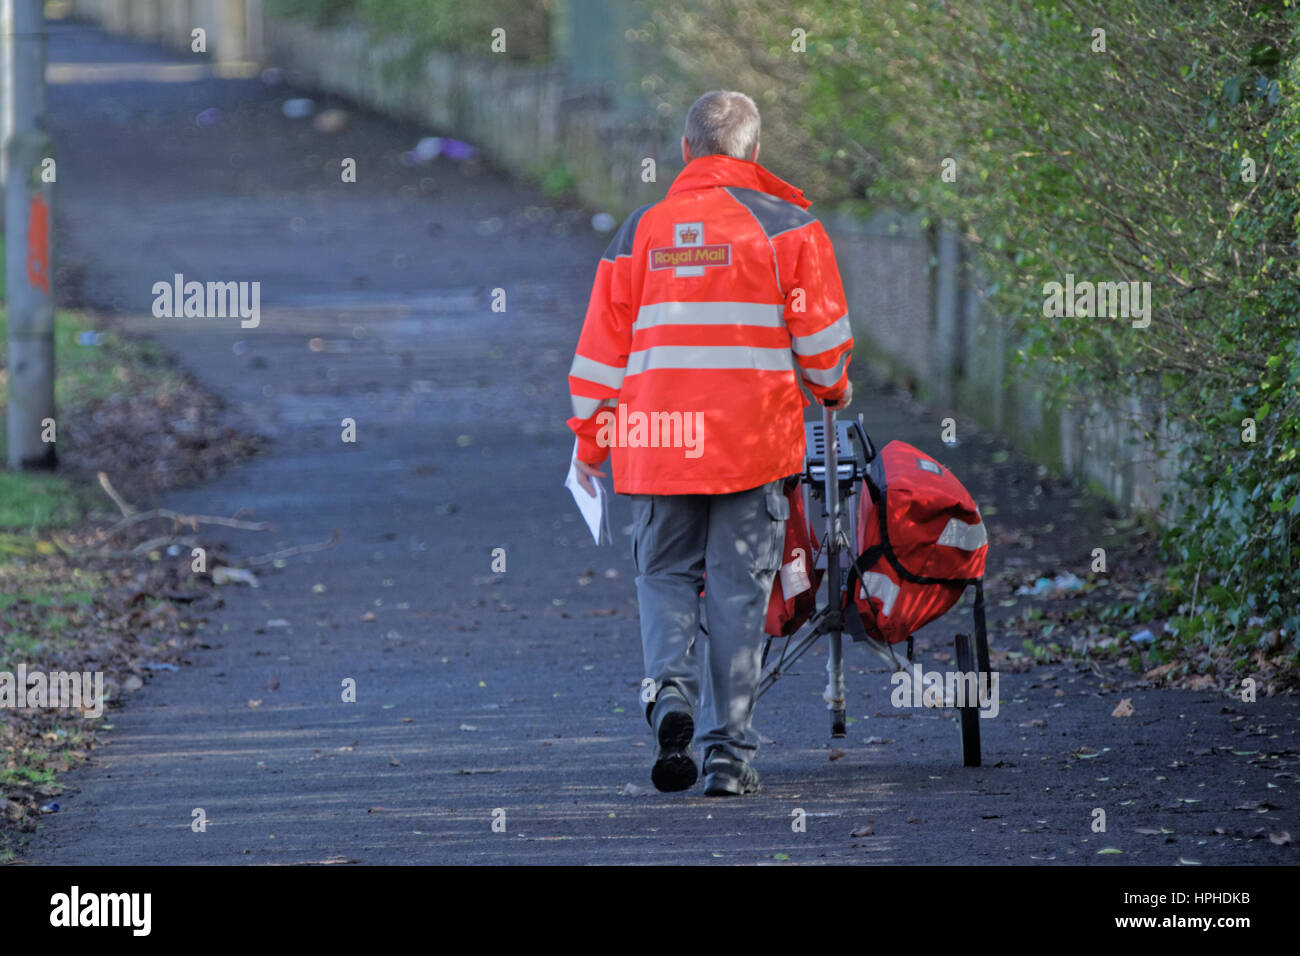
<point>595,511</point>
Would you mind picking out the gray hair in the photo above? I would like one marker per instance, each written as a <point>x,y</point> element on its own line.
<point>722,121</point>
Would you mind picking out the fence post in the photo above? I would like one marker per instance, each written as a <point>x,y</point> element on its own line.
<point>228,31</point>
<point>947,330</point>
<point>145,17</point>
<point>28,221</point>
<point>6,90</point>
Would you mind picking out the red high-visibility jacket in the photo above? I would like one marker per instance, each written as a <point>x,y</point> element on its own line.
<point>705,306</point>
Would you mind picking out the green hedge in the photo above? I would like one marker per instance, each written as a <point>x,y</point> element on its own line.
<point>1122,164</point>
<point>438,24</point>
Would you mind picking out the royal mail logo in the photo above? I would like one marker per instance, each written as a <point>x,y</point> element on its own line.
<point>690,255</point>
<point>677,257</point>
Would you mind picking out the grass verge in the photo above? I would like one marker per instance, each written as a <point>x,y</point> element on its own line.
<point>68,604</point>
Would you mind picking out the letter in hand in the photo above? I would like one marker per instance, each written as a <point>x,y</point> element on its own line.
<point>585,473</point>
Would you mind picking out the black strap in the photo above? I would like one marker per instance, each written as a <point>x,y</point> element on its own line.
<point>878,496</point>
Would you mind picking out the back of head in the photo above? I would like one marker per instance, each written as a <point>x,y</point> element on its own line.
<point>723,122</point>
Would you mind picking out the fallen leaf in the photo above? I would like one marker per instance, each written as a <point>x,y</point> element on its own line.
<point>468,727</point>
<point>1124,708</point>
<point>273,684</point>
<point>255,704</point>
<point>913,820</point>
<point>368,617</point>
<point>1108,851</point>
<point>1039,724</point>
<point>864,831</point>
<point>632,790</point>
<point>394,762</point>
<point>1280,839</point>
<point>1257,806</point>
<point>379,810</point>
<point>225,575</point>
<point>836,753</point>
<point>781,856</point>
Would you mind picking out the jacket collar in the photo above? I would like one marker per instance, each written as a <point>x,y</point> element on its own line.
<point>710,171</point>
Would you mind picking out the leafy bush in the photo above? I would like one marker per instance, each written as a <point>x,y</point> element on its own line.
<point>320,12</point>
<point>1126,157</point>
<point>439,24</point>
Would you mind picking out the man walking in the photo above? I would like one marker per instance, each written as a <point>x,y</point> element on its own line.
<point>708,309</point>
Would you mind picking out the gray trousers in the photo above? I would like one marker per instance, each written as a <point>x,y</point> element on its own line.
<point>739,539</point>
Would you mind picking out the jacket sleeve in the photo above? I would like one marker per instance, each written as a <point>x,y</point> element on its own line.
<point>816,311</point>
<point>601,357</point>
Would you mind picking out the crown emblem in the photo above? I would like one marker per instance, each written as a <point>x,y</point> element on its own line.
<point>688,236</point>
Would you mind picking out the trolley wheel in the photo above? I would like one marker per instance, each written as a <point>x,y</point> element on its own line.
<point>970,714</point>
<point>982,657</point>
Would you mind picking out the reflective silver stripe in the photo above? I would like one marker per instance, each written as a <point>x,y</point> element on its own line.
<point>709,313</point>
<point>967,537</point>
<point>877,585</point>
<point>710,357</point>
<point>835,334</point>
<point>584,407</point>
<point>825,376</point>
<point>598,372</point>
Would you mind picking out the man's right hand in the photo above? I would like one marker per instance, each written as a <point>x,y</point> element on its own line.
<point>587,472</point>
<point>844,399</point>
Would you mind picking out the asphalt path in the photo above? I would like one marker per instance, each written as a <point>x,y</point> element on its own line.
<point>510,698</point>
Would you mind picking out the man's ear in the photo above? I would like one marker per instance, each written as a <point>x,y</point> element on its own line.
<point>754,157</point>
<point>686,151</point>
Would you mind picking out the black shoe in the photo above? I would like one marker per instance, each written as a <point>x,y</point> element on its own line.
<point>674,728</point>
<point>727,776</point>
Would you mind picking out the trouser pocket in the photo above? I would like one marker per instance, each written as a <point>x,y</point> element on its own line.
<point>778,513</point>
<point>642,512</point>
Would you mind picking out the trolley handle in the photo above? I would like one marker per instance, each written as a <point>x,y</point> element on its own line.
<point>868,446</point>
